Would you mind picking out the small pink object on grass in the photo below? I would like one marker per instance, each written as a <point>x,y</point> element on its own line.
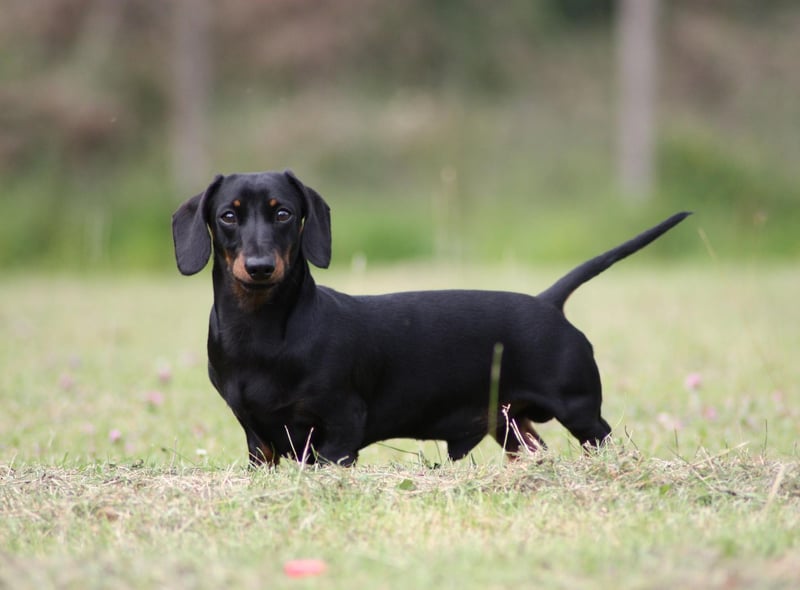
<point>164,374</point>
<point>301,568</point>
<point>693,381</point>
<point>154,398</point>
<point>66,381</point>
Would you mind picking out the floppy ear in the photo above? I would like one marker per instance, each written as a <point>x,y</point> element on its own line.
<point>316,240</point>
<point>190,231</point>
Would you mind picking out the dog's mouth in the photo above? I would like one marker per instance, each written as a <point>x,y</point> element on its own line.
<point>255,286</point>
<point>252,294</point>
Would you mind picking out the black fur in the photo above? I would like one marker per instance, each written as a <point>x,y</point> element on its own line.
<point>316,374</point>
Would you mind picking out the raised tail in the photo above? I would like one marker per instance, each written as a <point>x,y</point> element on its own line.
<point>559,292</point>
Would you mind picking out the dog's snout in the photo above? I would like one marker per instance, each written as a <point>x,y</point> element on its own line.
<point>260,268</point>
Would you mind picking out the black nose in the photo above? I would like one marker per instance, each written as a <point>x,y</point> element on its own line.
<point>259,267</point>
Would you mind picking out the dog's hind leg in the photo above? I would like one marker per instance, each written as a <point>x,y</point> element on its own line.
<point>591,434</point>
<point>580,392</point>
<point>584,421</point>
<point>520,434</point>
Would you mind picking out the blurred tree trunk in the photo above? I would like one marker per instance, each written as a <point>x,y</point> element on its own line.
<point>191,87</point>
<point>98,35</point>
<point>637,64</point>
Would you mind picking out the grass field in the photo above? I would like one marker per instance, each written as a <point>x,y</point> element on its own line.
<point>120,466</point>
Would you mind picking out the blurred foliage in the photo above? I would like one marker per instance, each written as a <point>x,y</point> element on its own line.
<point>433,128</point>
<point>747,208</point>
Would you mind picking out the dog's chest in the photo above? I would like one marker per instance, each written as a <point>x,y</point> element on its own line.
<point>257,377</point>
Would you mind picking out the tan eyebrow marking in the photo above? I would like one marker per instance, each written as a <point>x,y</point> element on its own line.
<point>237,203</point>
<point>273,202</point>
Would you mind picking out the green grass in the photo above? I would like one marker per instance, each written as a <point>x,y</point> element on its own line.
<point>700,489</point>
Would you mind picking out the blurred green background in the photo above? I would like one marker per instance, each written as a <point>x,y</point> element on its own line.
<point>470,130</point>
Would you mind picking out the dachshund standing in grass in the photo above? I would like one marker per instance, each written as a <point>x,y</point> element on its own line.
<point>317,375</point>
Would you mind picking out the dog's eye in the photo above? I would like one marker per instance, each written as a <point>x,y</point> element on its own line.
<point>228,217</point>
<point>283,215</point>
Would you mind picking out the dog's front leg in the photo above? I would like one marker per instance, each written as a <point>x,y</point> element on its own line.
<point>344,432</point>
<point>259,452</point>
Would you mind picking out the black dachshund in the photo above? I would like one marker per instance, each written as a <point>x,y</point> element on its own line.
<point>315,374</point>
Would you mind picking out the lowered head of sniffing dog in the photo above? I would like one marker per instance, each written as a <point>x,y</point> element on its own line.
<point>317,375</point>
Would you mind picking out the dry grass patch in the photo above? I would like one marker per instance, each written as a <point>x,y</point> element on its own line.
<point>724,521</point>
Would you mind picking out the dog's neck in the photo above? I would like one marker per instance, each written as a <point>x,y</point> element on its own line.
<point>260,310</point>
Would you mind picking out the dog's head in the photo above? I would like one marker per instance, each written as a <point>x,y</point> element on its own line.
<point>258,224</point>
